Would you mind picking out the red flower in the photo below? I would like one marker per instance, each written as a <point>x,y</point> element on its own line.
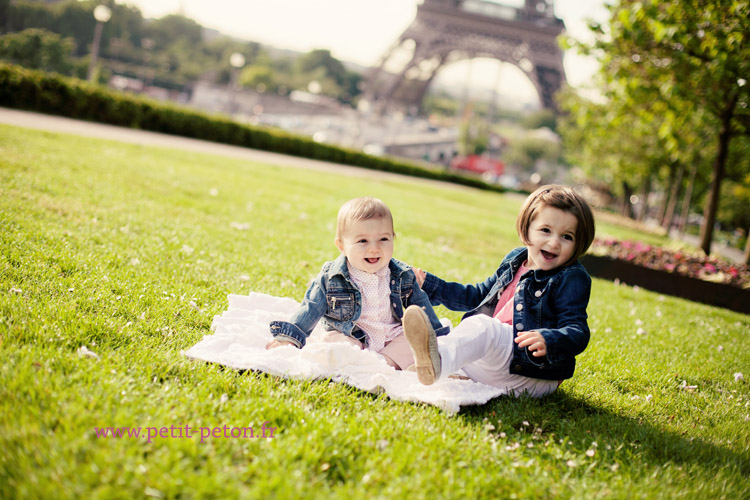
<point>693,265</point>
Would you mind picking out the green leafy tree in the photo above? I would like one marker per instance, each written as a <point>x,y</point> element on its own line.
<point>533,154</point>
<point>173,29</point>
<point>599,139</point>
<point>694,57</point>
<point>25,14</point>
<point>473,137</point>
<point>4,15</point>
<point>440,103</point>
<point>38,49</point>
<point>171,51</point>
<point>69,18</point>
<point>260,77</point>
<point>76,19</point>
<point>734,210</point>
<point>335,79</point>
<point>542,118</point>
<point>635,147</point>
<point>215,54</point>
<point>735,207</point>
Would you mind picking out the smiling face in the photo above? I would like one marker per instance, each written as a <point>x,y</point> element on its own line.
<point>368,244</point>
<point>551,238</point>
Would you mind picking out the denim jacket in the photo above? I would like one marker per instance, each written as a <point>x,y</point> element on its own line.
<point>334,298</point>
<point>552,303</point>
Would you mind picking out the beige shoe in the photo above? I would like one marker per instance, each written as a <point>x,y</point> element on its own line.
<point>423,342</point>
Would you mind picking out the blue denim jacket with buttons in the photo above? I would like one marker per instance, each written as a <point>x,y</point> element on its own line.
<point>552,303</point>
<point>334,298</point>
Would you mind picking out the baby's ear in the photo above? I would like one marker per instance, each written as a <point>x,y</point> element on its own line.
<point>339,244</point>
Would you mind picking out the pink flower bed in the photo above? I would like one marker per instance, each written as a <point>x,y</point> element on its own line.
<point>695,265</point>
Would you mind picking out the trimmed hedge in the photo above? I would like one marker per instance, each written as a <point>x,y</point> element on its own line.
<point>54,94</point>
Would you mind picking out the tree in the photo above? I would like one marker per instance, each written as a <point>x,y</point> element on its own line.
<point>528,152</point>
<point>321,66</point>
<point>172,29</point>
<point>694,55</point>
<point>5,15</point>
<point>38,49</point>
<point>611,145</point>
<point>473,137</point>
<point>636,147</point>
<point>734,211</point>
<point>171,51</point>
<point>542,118</point>
<point>259,77</point>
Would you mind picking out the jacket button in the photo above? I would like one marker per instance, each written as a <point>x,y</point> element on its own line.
<point>538,293</point>
<point>519,327</point>
<point>519,307</point>
<point>516,367</point>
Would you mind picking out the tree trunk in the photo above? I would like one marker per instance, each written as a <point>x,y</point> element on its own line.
<point>685,210</point>
<point>666,221</point>
<point>626,209</point>
<point>747,248</point>
<point>712,202</point>
<point>662,210</point>
<point>643,213</point>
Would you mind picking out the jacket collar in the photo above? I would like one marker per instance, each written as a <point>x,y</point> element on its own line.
<point>520,257</point>
<point>339,267</point>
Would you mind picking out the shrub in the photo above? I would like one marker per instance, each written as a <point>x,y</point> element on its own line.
<point>46,93</point>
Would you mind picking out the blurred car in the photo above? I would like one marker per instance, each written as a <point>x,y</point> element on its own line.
<point>479,165</point>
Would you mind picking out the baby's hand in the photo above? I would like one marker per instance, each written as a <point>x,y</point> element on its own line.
<point>534,341</point>
<point>420,274</point>
<point>279,343</point>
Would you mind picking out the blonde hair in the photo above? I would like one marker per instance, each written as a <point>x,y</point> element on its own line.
<point>563,198</point>
<point>359,209</point>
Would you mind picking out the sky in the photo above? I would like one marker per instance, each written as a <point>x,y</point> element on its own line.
<point>361,31</point>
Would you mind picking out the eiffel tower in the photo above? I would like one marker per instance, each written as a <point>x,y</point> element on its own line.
<point>446,31</point>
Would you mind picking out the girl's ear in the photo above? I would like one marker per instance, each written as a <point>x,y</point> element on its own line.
<point>339,244</point>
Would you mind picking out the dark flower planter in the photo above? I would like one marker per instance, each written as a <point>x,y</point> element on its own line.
<point>697,290</point>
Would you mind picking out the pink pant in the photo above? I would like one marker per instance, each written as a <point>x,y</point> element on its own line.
<point>397,352</point>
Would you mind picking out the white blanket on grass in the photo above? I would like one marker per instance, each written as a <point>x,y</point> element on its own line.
<point>242,331</point>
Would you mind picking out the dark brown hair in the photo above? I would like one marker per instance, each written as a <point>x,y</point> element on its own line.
<point>564,198</point>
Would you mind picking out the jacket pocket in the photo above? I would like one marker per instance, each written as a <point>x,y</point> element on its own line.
<point>340,305</point>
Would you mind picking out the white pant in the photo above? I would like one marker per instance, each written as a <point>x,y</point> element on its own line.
<point>482,347</point>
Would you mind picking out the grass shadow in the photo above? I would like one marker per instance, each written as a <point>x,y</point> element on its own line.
<point>563,415</point>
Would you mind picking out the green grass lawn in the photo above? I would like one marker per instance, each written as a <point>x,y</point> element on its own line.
<point>130,251</point>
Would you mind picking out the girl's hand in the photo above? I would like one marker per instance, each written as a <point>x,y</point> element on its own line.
<point>420,274</point>
<point>534,341</point>
<point>278,343</point>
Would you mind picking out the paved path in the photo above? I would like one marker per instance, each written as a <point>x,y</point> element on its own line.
<point>51,123</point>
<point>734,254</point>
